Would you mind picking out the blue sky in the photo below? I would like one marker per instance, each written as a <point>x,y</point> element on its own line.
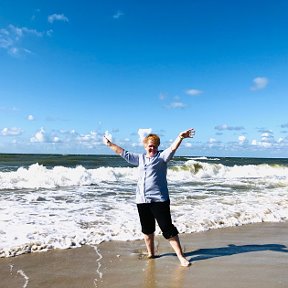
<point>73,70</point>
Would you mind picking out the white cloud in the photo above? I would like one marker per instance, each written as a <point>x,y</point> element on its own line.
<point>267,137</point>
<point>227,127</point>
<point>56,139</point>
<point>265,144</point>
<point>42,136</point>
<point>254,142</point>
<point>39,137</point>
<point>176,105</point>
<point>259,83</point>
<point>11,36</point>
<point>188,144</point>
<point>57,17</point>
<point>11,131</point>
<point>213,143</point>
<point>67,138</point>
<point>30,117</point>
<point>88,138</point>
<point>242,139</point>
<point>266,140</point>
<point>49,32</point>
<point>118,14</point>
<point>193,92</point>
<point>143,132</point>
<point>20,32</point>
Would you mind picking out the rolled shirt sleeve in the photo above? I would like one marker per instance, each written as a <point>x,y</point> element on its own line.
<point>131,158</point>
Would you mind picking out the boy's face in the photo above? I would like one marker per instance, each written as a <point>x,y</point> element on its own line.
<point>151,148</point>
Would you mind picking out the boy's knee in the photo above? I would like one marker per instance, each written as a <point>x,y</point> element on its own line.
<point>148,231</point>
<point>170,232</point>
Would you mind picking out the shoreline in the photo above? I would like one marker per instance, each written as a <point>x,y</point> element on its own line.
<point>253,255</point>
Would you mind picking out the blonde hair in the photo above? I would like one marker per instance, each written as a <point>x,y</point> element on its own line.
<point>154,137</point>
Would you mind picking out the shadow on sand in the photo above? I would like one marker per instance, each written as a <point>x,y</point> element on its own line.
<point>204,254</point>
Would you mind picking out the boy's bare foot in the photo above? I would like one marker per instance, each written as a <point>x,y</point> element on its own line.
<point>184,262</point>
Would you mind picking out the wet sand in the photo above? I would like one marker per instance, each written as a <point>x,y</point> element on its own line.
<point>248,256</point>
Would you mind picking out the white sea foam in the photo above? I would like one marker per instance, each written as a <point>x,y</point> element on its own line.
<point>44,209</point>
<point>26,278</point>
<point>98,272</point>
<point>204,158</point>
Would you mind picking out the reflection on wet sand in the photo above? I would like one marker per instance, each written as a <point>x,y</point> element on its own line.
<point>176,279</point>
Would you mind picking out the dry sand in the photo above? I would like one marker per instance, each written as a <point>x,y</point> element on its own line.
<point>248,256</point>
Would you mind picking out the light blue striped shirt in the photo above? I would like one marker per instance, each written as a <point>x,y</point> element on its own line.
<point>152,182</point>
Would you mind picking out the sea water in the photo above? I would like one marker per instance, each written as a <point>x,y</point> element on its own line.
<point>65,201</point>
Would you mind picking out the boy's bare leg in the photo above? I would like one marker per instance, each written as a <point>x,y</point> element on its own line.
<point>149,241</point>
<point>175,243</point>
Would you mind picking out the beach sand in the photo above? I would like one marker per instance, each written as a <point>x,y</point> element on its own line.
<point>247,256</point>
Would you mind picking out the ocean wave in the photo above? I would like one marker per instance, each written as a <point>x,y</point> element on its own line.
<point>40,177</point>
<point>211,170</point>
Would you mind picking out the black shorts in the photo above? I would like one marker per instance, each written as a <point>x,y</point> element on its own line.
<point>159,211</point>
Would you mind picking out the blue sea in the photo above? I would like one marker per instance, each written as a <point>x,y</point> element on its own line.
<point>64,201</point>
